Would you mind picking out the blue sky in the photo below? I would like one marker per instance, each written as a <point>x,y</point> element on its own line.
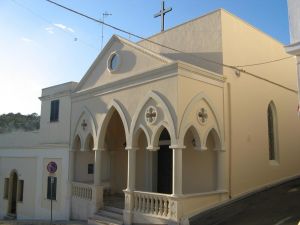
<point>43,45</point>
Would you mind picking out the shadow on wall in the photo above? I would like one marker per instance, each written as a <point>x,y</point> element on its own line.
<point>130,61</point>
<point>200,59</point>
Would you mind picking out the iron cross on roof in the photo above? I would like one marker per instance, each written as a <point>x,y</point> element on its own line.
<point>162,13</point>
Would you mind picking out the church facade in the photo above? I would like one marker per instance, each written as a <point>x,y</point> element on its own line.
<point>162,132</point>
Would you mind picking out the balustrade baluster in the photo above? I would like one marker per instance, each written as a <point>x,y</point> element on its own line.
<point>140,203</point>
<point>156,206</point>
<point>144,202</point>
<point>148,204</point>
<point>161,207</point>
<point>165,207</point>
<point>136,202</point>
<point>151,205</point>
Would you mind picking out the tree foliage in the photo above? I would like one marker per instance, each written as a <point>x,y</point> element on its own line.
<point>12,122</point>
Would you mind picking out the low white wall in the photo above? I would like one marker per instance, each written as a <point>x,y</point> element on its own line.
<point>30,165</point>
<point>19,138</point>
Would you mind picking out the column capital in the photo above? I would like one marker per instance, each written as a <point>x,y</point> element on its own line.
<point>152,148</point>
<point>99,149</point>
<point>131,148</point>
<point>177,147</point>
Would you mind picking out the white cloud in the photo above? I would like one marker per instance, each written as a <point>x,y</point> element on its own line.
<point>63,27</point>
<point>27,40</point>
<point>50,30</point>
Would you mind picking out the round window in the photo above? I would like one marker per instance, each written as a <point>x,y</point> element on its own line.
<point>113,62</point>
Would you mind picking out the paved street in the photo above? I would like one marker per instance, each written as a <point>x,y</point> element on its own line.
<point>276,206</point>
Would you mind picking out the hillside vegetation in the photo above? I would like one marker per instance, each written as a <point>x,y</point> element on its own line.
<point>13,122</point>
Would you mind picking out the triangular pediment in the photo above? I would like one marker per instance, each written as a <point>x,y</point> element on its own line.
<point>132,60</point>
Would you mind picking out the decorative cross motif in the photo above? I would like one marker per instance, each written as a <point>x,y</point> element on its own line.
<point>151,115</point>
<point>83,125</point>
<point>162,13</point>
<point>202,115</point>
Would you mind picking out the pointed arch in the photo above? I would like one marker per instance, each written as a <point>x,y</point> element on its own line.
<point>89,142</point>
<point>169,117</point>
<point>196,136</point>
<point>197,98</point>
<point>136,135</point>
<point>157,132</point>
<point>76,145</point>
<point>115,106</point>
<point>216,137</point>
<point>91,120</point>
<point>272,131</point>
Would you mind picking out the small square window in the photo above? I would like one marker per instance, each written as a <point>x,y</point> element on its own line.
<point>91,168</point>
<point>54,111</point>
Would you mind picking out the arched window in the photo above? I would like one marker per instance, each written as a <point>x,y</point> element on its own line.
<point>272,132</point>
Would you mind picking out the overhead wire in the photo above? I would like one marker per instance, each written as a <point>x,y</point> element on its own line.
<point>236,68</point>
<point>266,62</point>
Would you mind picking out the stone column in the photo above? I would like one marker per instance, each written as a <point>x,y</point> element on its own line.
<point>97,200</point>
<point>177,171</point>
<point>131,169</point>
<point>129,195</point>
<point>97,166</point>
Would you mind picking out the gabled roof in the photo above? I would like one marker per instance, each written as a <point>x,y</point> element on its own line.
<point>124,41</point>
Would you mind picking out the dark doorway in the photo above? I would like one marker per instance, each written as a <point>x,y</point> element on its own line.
<point>13,193</point>
<point>164,170</point>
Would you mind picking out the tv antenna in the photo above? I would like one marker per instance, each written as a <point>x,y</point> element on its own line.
<point>105,14</point>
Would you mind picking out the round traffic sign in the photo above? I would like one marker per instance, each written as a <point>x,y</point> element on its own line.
<point>52,167</point>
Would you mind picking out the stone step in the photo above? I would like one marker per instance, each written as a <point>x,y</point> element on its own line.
<point>107,216</point>
<point>102,220</point>
<point>9,217</point>
<point>113,209</point>
<point>110,214</point>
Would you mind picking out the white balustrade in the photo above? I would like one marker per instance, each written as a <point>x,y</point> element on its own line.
<point>82,191</point>
<point>152,203</point>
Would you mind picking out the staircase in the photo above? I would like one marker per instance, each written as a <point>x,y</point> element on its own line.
<point>107,216</point>
<point>10,216</point>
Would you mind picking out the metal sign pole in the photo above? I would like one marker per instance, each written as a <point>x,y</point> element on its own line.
<point>51,195</point>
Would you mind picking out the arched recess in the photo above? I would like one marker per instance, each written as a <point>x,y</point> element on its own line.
<point>198,164</point>
<point>112,140</point>
<point>167,119</point>
<point>84,159</point>
<point>272,132</point>
<point>76,145</point>
<point>91,126</point>
<point>213,133</point>
<point>191,137</point>
<point>136,136</point>
<point>143,161</point>
<point>188,118</point>
<point>115,106</point>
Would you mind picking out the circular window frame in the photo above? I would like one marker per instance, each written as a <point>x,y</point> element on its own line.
<point>109,62</point>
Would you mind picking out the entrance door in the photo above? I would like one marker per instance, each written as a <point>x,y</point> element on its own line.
<point>13,194</point>
<point>164,170</point>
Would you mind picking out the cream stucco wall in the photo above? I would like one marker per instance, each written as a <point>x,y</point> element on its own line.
<point>248,96</point>
<point>202,39</point>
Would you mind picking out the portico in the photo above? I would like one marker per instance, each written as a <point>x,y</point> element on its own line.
<point>168,163</point>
